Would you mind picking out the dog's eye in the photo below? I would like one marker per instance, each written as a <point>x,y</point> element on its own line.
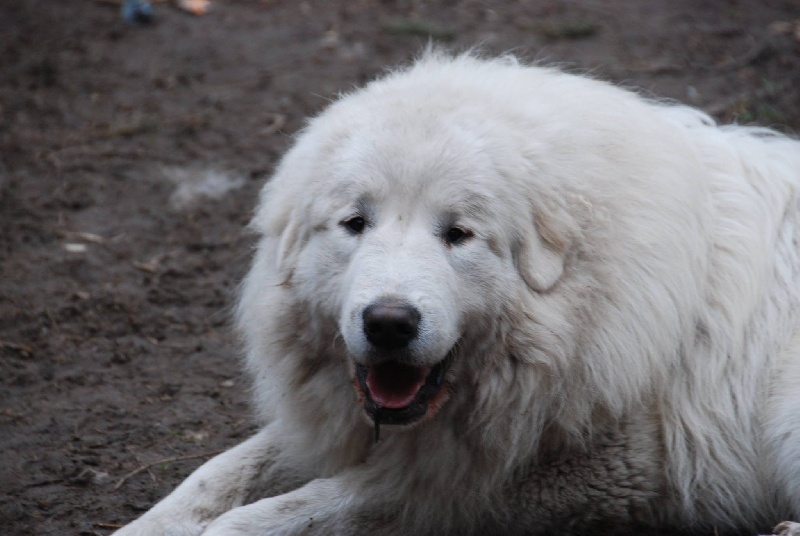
<point>355,225</point>
<point>457,235</point>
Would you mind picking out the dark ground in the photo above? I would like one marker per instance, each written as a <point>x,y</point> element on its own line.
<point>115,346</point>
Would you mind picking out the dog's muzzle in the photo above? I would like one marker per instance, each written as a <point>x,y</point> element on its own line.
<point>393,389</point>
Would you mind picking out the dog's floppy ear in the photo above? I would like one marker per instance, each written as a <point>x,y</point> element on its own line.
<point>287,245</point>
<point>541,251</point>
<point>280,224</point>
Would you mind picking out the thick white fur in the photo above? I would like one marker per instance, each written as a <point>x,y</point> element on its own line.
<point>624,321</point>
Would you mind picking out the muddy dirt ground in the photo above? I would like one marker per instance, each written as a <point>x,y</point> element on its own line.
<point>130,159</point>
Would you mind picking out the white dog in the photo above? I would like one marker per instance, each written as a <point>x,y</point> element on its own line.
<point>493,298</point>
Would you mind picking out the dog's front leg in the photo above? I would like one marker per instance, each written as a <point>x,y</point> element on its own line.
<point>246,472</point>
<point>337,505</point>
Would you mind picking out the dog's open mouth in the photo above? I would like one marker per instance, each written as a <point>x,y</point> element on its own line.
<point>397,393</point>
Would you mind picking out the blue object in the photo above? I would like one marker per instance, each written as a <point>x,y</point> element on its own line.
<point>137,12</point>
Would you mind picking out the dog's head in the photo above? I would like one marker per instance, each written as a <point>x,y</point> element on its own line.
<point>406,230</point>
<point>428,221</point>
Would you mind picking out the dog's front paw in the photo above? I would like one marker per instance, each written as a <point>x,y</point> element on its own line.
<point>787,528</point>
<point>229,527</point>
<point>160,527</point>
<point>268,516</point>
<point>238,523</point>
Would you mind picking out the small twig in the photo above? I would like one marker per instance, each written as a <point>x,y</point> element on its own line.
<point>107,525</point>
<point>173,345</point>
<point>80,235</point>
<point>147,466</point>
<point>152,265</point>
<point>19,347</point>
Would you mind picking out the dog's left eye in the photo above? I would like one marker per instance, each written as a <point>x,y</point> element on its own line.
<point>355,225</point>
<point>457,235</point>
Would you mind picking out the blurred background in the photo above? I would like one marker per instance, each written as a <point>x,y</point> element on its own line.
<point>131,154</point>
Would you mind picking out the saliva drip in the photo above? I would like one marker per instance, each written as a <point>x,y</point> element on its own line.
<point>377,419</point>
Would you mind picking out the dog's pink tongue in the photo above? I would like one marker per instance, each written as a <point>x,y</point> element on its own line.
<point>393,385</point>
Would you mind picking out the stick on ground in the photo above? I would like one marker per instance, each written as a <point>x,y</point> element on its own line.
<point>158,462</point>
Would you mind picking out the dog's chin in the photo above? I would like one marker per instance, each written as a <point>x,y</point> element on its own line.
<point>396,393</point>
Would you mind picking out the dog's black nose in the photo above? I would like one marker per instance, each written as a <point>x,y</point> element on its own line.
<point>391,325</point>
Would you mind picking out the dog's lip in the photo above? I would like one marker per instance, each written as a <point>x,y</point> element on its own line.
<point>424,390</point>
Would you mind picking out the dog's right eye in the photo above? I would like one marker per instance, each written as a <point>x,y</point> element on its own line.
<point>456,235</point>
<point>355,225</point>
